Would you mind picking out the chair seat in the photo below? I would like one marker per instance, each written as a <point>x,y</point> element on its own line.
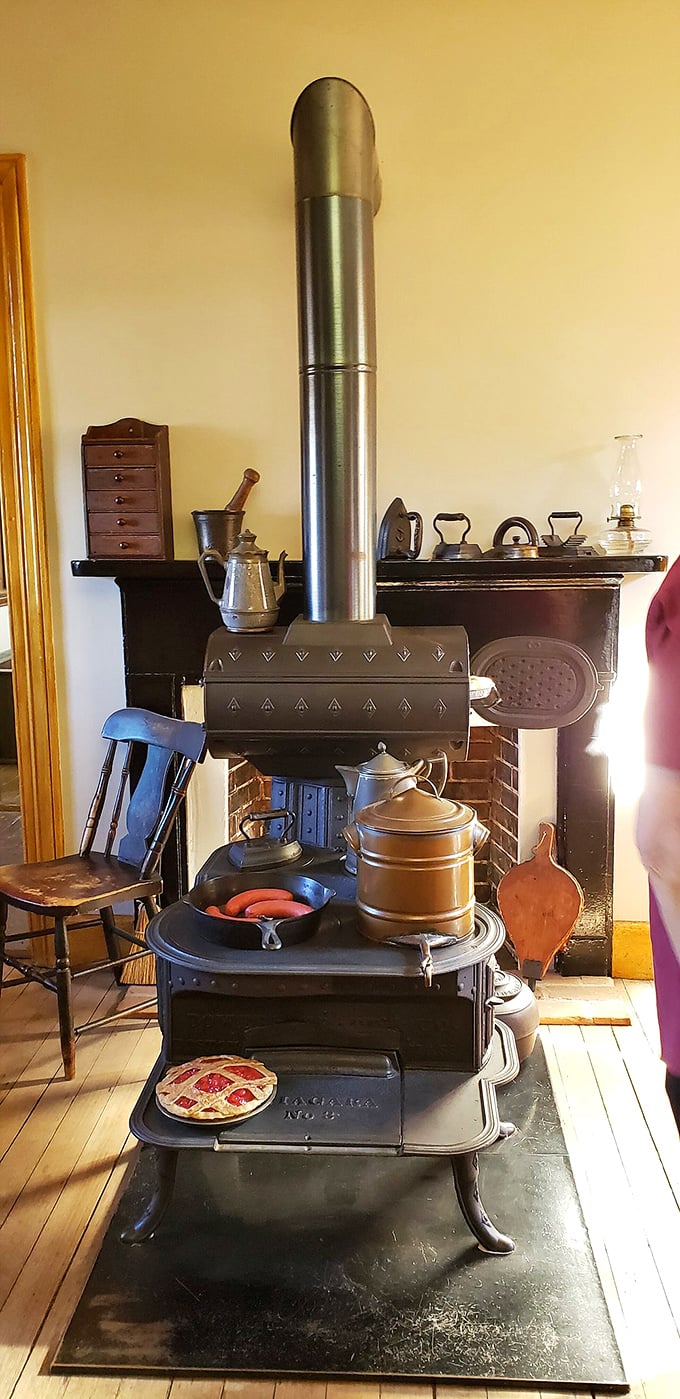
<point>73,884</point>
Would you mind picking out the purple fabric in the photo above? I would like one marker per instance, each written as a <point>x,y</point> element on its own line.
<point>667,987</point>
<point>662,632</point>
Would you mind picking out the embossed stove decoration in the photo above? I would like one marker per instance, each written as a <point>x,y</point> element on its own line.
<point>282,704</point>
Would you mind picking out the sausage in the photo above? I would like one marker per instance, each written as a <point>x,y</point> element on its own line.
<point>214,911</point>
<point>239,902</point>
<point>277,908</point>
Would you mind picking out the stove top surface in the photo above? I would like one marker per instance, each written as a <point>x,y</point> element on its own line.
<point>337,949</point>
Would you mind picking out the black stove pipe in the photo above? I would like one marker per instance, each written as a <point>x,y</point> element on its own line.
<point>337,192</point>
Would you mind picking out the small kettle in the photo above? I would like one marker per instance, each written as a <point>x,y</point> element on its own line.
<point>517,548</point>
<point>374,780</point>
<point>250,601</point>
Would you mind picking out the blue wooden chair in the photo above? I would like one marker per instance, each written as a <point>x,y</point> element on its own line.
<point>161,754</point>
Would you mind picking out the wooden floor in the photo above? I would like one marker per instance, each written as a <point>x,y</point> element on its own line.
<point>65,1152</point>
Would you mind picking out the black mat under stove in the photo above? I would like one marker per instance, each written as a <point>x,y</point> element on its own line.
<point>356,1267</point>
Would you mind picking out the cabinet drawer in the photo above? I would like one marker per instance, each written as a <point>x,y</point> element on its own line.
<point>123,453</point>
<point>128,522</point>
<point>136,478</point>
<point>112,502</point>
<point>141,546</point>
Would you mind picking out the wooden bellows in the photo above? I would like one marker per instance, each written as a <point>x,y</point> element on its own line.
<point>539,903</point>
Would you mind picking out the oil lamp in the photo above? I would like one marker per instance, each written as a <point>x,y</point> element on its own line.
<point>623,533</point>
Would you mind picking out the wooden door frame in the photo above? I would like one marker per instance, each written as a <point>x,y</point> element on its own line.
<point>24,531</point>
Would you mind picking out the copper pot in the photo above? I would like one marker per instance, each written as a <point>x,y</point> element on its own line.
<point>416,864</point>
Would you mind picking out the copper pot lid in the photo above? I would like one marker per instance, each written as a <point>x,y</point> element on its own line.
<point>414,811</point>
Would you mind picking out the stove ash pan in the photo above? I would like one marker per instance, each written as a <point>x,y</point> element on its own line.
<point>277,700</point>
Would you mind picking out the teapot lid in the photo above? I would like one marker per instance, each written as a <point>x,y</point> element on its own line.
<point>382,764</point>
<point>246,547</point>
<point>412,809</point>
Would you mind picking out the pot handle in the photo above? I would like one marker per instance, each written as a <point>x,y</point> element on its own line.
<point>480,835</point>
<point>270,939</point>
<point>210,554</point>
<point>351,835</point>
<point>519,522</point>
<point>437,771</point>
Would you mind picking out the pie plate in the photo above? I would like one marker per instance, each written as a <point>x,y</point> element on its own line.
<point>216,1120</point>
<point>198,1093</point>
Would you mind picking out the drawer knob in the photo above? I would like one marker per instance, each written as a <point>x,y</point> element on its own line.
<point>121,522</point>
<point>123,544</point>
<point>118,476</point>
<point>118,454</point>
<point>119,500</point>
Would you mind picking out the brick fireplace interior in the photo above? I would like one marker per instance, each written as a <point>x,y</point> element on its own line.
<point>486,780</point>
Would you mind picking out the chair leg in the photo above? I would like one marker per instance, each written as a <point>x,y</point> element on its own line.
<point>150,907</point>
<point>64,1001</point>
<point>111,940</point>
<point>3,930</point>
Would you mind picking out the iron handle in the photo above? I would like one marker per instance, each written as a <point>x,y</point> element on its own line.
<point>266,817</point>
<point>566,515</point>
<point>417,520</point>
<point>451,519</point>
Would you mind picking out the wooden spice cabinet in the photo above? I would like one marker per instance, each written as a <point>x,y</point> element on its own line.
<point>126,485</point>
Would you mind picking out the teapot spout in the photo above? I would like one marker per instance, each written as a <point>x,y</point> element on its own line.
<point>280,584</point>
<point>350,777</point>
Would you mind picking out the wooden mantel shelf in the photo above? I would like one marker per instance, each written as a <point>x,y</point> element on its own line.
<point>580,566</point>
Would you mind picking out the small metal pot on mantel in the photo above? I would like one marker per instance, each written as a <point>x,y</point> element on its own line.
<point>416,864</point>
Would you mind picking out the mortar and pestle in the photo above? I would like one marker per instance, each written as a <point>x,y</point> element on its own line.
<point>220,529</point>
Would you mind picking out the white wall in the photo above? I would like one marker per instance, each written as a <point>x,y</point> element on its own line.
<point>526,251</point>
<point>5,640</point>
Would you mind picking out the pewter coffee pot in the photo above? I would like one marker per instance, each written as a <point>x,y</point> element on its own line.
<point>373,780</point>
<point>250,601</point>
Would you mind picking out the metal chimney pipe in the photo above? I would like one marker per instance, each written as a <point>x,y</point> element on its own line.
<point>337,193</point>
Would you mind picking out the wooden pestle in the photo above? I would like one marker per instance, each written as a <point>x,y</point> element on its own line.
<point>240,496</point>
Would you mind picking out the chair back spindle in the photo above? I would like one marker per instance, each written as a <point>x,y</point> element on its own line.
<point>118,803</point>
<point>94,814</point>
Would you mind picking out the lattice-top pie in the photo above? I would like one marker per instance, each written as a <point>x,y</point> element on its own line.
<point>218,1088</point>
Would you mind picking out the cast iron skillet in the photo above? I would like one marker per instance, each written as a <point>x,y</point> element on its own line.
<point>268,933</point>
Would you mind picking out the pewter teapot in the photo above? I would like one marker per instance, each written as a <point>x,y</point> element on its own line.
<point>250,601</point>
<point>373,780</point>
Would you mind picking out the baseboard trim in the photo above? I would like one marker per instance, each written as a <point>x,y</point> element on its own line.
<point>632,952</point>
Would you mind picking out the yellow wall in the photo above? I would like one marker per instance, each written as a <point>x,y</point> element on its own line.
<point>526,250</point>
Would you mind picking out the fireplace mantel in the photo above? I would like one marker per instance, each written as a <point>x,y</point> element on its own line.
<point>167,617</point>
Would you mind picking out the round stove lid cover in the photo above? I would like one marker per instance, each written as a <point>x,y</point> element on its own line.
<point>542,683</point>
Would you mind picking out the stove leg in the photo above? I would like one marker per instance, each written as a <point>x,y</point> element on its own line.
<point>149,1220</point>
<point>466,1180</point>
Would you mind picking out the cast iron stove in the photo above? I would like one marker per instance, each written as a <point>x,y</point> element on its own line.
<point>373,1053</point>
